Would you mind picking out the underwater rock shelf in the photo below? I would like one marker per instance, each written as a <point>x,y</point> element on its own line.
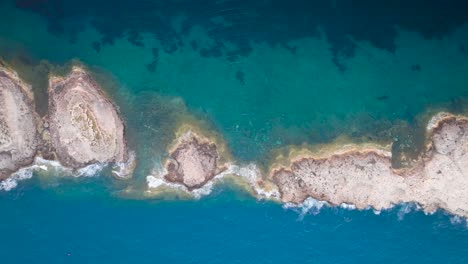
<point>83,127</point>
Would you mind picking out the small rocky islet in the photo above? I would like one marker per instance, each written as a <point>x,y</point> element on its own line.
<point>193,161</point>
<point>83,127</point>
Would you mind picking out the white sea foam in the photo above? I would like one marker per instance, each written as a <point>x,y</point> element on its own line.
<point>156,180</point>
<point>435,120</point>
<point>458,220</point>
<point>313,206</point>
<point>309,206</point>
<point>407,208</point>
<point>54,167</point>
<point>250,174</point>
<point>348,206</point>
<point>12,182</point>
<point>90,170</point>
<point>125,169</point>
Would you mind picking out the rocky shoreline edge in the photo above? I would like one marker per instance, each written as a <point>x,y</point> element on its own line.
<point>82,128</point>
<point>357,176</point>
<point>83,132</point>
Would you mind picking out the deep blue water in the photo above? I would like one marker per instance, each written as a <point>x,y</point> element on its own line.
<point>260,74</point>
<point>46,226</point>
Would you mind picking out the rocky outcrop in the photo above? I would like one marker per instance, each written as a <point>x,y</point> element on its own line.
<point>18,123</point>
<point>85,127</point>
<point>193,161</point>
<point>365,177</point>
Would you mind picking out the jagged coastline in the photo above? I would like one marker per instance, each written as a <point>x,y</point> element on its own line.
<point>83,130</point>
<point>365,178</point>
<point>361,176</point>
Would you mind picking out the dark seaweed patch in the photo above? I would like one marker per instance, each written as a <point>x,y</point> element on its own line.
<point>416,67</point>
<point>240,76</point>
<point>271,21</point>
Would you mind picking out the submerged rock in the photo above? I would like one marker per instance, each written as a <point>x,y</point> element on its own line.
<point>18,124</point>
<point>193,161</point>
<point>85,127</point>
<point>365,177</point>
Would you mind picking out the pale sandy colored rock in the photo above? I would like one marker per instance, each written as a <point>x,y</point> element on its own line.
<point>365,177</point>
<point>85,126</point>
<point>193,161</point>
<point>18,123</point>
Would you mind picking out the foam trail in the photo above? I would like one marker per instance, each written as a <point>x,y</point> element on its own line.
<point>407,208</point>
<point>12,182</point>
<point>41,164</point>
<point>125,169</point>
<point>310,205</point>
<point>250,174</point>
<point>458,220</point>
<point>348,206</point>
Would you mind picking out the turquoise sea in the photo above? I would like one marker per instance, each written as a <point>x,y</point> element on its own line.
<point>261,75</point>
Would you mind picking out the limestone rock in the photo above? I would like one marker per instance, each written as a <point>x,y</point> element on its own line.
<point>84,124</point>
<point>365,177</point>
<point>18,123</point>
<point>193,161</point>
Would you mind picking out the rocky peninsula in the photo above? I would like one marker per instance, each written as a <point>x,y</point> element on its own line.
<point>18,123</point>
<point>365,178</point>
<point>193,161</point>
<point>84,125</point>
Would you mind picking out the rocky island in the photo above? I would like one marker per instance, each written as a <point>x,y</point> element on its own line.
<point>84,125</point>
<point>365,178</point>
<point>18,123</point>
<point>193,161</point>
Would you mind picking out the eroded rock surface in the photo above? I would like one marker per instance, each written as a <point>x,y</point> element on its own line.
<point>193,161</point>
<point>18,124</point>
<point>365,177</point>
<point>85,126</point>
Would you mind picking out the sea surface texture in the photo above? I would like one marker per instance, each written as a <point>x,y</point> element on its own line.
<point>261,76</point>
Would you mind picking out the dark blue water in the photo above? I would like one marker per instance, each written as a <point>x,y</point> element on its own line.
<point>43,226</point>
<point>261,75</point>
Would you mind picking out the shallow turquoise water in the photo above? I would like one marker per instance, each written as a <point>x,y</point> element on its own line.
<point>279,90</point>
<point>262,74</point>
